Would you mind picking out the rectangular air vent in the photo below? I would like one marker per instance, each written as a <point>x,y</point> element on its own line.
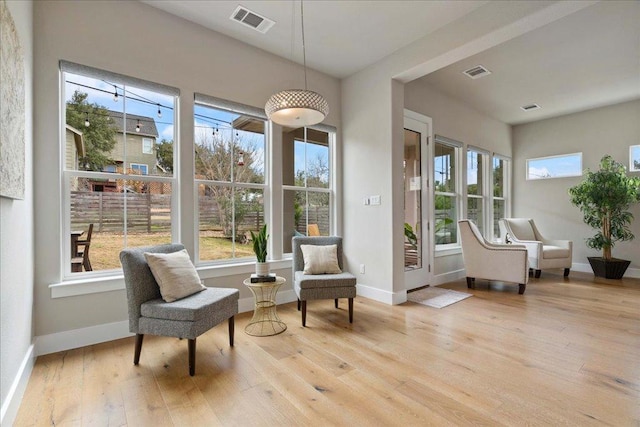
<point>530,107</point>
<point>477,72</point>
<point>251,19</point>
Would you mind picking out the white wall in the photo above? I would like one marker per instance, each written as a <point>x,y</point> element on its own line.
<point>372,108</point>
<point>594,133</point>
<point>16,249</point>
<point>134,39</point>
<point>456,120</point>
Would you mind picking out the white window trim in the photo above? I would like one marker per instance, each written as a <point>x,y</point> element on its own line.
<point>233,107</point>
<point>84,278</point>
<point>139,166</point>
<point>144,141</point>
<point>487,187</point>
<point>506,191</point>
<point>631,159</point>
<point>447,248</point>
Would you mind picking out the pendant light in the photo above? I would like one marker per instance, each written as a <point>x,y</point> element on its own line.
<point>297,107</point>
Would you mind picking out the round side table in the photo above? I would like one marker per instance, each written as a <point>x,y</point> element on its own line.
<point>265,321</point>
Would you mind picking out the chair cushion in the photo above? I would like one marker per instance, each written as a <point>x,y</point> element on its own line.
<point>320,259</point>
<point>553,252</point>
<point>175,273</point>
<point>312,281</point>
<point>194,307</point>
<point>522,229</point>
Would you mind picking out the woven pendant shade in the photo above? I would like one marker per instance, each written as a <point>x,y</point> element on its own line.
<point>296,108</point>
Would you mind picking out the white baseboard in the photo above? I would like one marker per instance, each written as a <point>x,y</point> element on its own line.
<point>386,297</point>
<point>632,273</point>
<point>16,392</point>
<point>450,276</point>
<point>76,338</point>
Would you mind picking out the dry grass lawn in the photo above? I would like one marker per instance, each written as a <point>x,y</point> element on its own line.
<point>106,247</point>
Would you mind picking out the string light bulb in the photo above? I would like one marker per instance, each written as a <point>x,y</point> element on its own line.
<point>86,120</point>
<point>115,93</point>
<point>138,126</point>
<point>159,112</point>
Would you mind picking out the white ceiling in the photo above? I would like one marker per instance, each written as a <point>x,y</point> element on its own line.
<point>588,59</point>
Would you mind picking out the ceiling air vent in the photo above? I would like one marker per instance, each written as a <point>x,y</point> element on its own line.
<point>251,19</point>
<point>530,107</point>
<point>477,72</point>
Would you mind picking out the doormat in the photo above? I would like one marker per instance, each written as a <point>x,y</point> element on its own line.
<point>436,297</point>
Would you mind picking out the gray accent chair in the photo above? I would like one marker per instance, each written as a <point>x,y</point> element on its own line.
<point>320,286</point>
<point>543,253</point>
<point>187,318</point>
<point>491,261</point>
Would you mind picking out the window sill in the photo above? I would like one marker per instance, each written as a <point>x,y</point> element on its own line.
<point>452,250</point>
<point>94,285</point>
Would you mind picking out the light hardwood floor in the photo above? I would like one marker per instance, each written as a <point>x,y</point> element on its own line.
<point>567,352</point>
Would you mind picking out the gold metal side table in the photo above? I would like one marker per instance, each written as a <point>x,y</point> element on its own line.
<point>265,321</point>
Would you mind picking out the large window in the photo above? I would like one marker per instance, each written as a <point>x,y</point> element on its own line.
<point>306,177</point>
<point>446,190</point>
<point>118,145</point>
<point>501,174</point>
<point>476,186</point>
<point>230,175</point>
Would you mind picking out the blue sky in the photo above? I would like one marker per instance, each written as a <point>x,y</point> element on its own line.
<point>555,167</point>
<point>103,94</point>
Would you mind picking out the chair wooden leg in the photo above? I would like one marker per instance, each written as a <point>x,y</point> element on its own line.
<point>521,288</point>
<point>136,354</point>
<point>336,302</point>
<point>231,330</point>
<point>566,272</point>
<point>192,357</point>
<point>538,272</point>
<point>298,305</point>
<point>304,313</point>
<point>350,310</point>
<point>471,283</point>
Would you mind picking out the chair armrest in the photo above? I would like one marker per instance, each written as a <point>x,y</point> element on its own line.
<point>567,244</point>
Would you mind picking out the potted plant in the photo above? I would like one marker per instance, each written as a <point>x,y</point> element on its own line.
<point>604,197</point>
<point>260,249</point>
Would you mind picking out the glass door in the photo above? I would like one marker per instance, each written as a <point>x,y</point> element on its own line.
<point>416,214</point>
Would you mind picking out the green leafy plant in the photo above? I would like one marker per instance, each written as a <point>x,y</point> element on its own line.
<point>604,198</point>
<point>260,243</point>
<point>410,235</point>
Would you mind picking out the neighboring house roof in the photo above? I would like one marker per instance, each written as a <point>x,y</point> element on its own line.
<point>78,139</point>
<point>147,124</point>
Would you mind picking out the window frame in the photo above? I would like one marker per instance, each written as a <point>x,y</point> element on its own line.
<point>66,174</point>
<point>506,190</point>
<point>144,141</point>
<point>486,187</point>
<point>318,190</point>
<point>557,156</point>
<point>456,195</point>
<point>139,166</point>
<point>245,110</point>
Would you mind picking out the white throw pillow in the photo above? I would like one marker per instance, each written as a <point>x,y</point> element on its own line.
<point>320,259</point>
<point>175,273</point>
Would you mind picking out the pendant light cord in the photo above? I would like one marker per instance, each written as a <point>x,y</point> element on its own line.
<point>304,52</point>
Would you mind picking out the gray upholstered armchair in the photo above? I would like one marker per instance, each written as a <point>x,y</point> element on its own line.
<point>321,286</point>
<point>505,263</point>
<point>543,253</point>
<point>187,318</point>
